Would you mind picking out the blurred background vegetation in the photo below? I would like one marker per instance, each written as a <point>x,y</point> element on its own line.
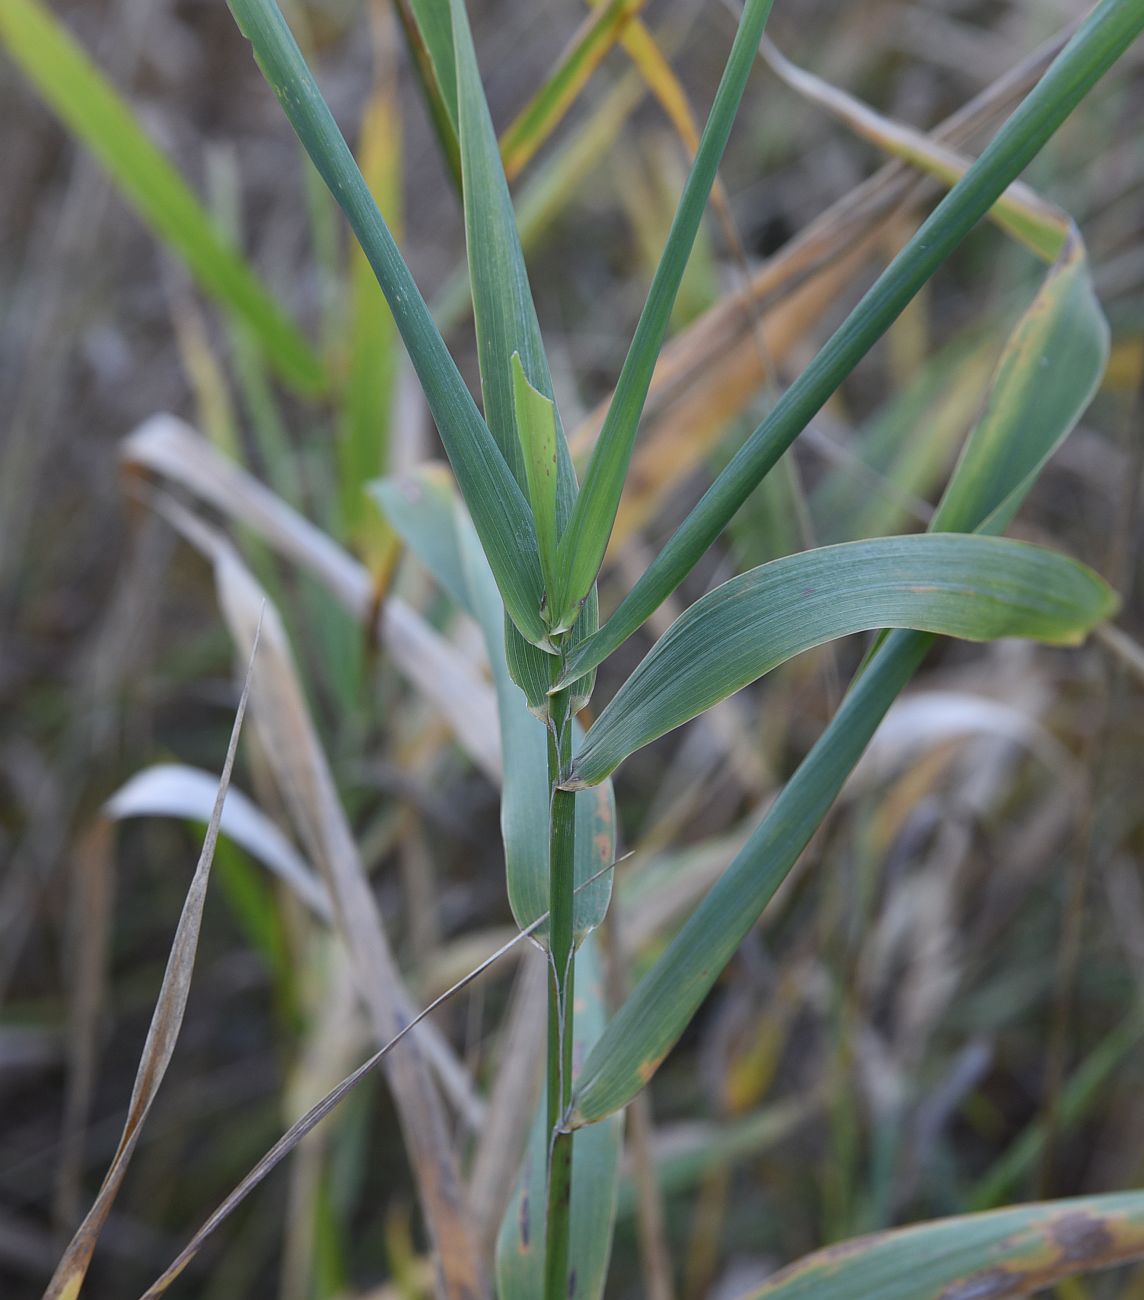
<point>942,1009</point>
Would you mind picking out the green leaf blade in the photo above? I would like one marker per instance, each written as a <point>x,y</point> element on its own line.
<point>1002,458</point>
<point>585,540</point>
<point>646,1027</point>
<point>975,588</point>
<point>499,510</point>
<point>1014,1251</point>
<point>536,430</point>
<point>1106,34</point>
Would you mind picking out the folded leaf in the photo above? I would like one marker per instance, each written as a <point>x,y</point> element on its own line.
<point>976,588</point>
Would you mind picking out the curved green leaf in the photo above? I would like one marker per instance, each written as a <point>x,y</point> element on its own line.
<point>1107,33</point>
<point>585,540</point>
<point>498,507</point>
<point>595,1175</point>
<point>1058,351</point>
<point>91,107</point>
<point>1011,1252</point>
<point>976,588</point>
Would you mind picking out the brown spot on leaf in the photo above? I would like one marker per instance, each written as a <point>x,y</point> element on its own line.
<point>1082,1236</point>
<point>525,1223</point>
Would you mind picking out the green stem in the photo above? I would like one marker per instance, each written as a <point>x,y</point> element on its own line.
<point>560,997</point>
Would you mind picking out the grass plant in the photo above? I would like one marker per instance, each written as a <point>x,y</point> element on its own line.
<point>516,533</point>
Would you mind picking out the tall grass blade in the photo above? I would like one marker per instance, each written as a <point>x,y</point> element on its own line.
<point>498,506</point>
<point>433,64</point>
<point>1057,351</point>
<point>91,107</point>
<point>1110,29</point>
<point>976,588</point>
<point>1011,1252</point>
<point>435,21</point>
<point>166,1021</point>
<point>585,540</point>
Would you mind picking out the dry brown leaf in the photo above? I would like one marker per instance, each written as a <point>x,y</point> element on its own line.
<point>68,1279</point>
<point>294,753</point>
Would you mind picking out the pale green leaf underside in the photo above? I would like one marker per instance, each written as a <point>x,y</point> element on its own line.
<point>1009,1252</point>
<point>976,588</point>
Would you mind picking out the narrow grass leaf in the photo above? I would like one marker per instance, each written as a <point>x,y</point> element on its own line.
<point>536,429</point>
<point>520,1250</point>
<point>435,21</point>
<point>498,506</point>
<point>173,790</point>
<point>976,588</point>
<point>1010,1252</point>
<point>91,107</point>
<point>1105,35</point>
<point>68,1279</point>
<point>597,35</point>
<point>585,539</point>
<point>1058,350</point>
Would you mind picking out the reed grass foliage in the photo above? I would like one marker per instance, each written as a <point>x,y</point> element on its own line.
<point>545,540</point>
<point>518,541</point>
